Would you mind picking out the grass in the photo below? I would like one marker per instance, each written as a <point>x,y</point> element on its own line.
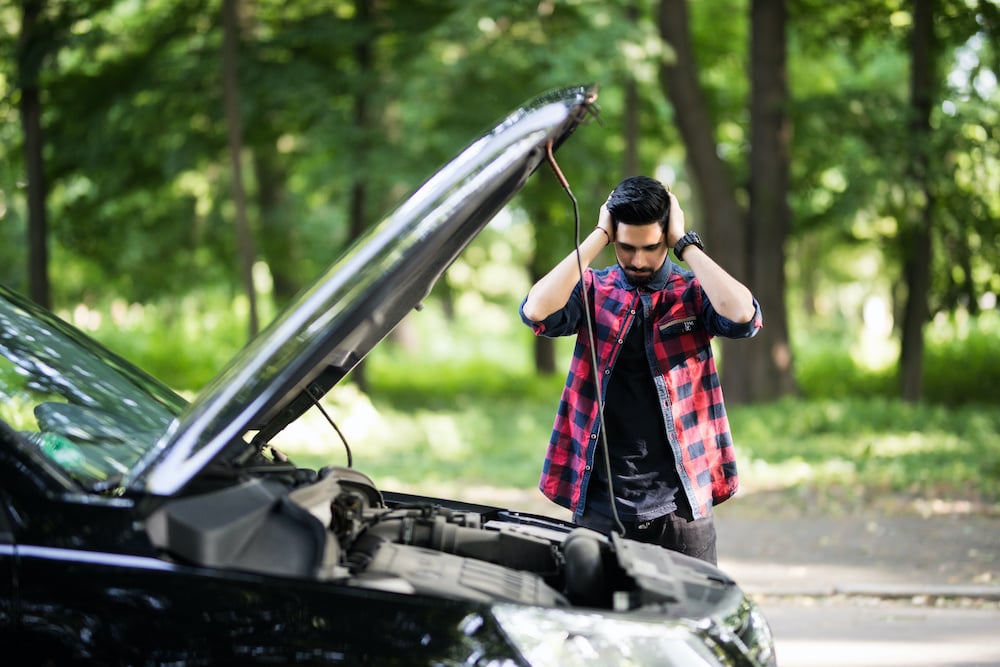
<point>407,433</point>
<point>460,403</point>
<point>875,446</point>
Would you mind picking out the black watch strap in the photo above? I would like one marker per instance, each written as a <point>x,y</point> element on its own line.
<point>691,238</point>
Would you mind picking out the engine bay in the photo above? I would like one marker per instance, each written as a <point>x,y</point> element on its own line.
<point>341,528</point>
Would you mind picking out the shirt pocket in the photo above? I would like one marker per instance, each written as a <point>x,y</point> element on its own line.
<point>676,326</point>
<point>681,339</point>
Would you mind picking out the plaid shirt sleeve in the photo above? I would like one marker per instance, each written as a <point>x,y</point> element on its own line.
<point>563,322</point>
<point>570,449</point>
<point>720,326</point>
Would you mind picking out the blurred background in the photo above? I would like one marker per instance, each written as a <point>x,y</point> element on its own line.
<point>172,172</point>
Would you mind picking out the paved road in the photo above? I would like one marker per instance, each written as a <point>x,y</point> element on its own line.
<point>835,632</point>
<point>872,590</point>
<point>889,555</point>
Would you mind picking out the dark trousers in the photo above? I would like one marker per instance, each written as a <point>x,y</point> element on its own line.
<point>692,538</point>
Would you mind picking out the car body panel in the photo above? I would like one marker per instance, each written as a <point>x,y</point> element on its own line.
<point>90,609</point>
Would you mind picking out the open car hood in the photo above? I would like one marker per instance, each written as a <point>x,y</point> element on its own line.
<point>335,323</point>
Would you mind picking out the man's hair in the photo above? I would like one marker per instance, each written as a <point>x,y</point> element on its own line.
<point>639,200</point>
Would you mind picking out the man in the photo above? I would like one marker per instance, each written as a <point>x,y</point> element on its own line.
<point>668,443</point>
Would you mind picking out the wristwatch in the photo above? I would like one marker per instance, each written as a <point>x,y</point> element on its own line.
<point>691,238</point>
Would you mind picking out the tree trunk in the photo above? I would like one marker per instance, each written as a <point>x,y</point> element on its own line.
<point>544,349</point>
<point>280,244</point>
<point>770,363</point>
<point>723,226</point>
<point>29,63</point>
<point>545,355</point>
<point>724,223</point>
<point>540,264</point>
<point>364,55</point>
<point>630,163</point>
<point>917,229</point>
<point>231,92</point>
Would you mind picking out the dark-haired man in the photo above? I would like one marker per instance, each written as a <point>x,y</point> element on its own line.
<point>669,444</point>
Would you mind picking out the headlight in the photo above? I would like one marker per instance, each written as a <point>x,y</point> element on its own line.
<point>751,629</point>
<point>567,638</point>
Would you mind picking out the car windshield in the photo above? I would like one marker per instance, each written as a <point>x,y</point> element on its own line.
<point>88,411</point>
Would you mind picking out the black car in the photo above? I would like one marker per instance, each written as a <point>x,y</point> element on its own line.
<point>138,528</point>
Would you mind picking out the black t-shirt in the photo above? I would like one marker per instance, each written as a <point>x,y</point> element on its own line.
<point>642,465</point>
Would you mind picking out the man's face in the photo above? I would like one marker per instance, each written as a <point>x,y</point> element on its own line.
<point>641,250</point>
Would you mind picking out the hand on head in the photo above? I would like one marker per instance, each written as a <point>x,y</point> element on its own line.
<point>604,220</point>
<point>675,222</point>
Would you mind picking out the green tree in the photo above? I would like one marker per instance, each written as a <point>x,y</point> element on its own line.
<point>136,111</point>
<point>749,244</point>
<point>44,29</point>
<point>346,104</point>
<point>924,177</point>
<point>893,118</point>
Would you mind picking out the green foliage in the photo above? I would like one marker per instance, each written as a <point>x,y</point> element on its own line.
<point>139,178</point>
<point>827,371</point>
<point>962,360</point>
<point>961,365</point>
<point>457,385</point>
<point>182,342</point>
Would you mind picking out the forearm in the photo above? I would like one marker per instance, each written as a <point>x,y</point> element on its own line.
<point>553,290</point>
<point>730,298</point>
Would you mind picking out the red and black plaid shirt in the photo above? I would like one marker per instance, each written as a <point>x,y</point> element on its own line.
<point>694,416</point>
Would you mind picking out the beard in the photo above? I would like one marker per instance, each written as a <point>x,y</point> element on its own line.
<point>639,278</point>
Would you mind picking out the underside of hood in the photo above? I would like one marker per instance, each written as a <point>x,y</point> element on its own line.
<point>331,326</point>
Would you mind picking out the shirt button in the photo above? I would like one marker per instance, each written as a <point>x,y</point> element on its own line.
<point>607,371</point>
<point>620,341</point>
<point>588,467</point>
<point>593,436</point>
